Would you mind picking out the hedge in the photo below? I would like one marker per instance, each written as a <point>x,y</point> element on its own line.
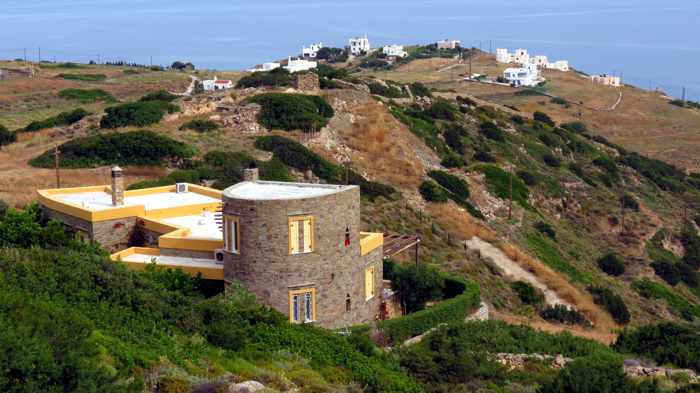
<point>138,114</point>
<point>62,119</point>
<point>277,77</point>
<point>452,310</point>
<point>292,111</point>
<point>83,77</point>
<point>86,95</point>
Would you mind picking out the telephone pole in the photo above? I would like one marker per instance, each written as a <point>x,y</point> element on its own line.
<point>39,54</point>
<point>510,192</point>
<point>56,163</point>
<point>683,94</point>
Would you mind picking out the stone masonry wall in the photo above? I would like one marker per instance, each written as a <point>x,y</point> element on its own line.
<point>265,267</point>
<point>113,235</point>
<point>307,82</point>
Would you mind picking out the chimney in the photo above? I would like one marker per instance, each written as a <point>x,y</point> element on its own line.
<point>251,174</point>
<point>117,186</point>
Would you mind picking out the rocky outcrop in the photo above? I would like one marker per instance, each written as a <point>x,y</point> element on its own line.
<point>242,118</point>
<point>246,387</point>
<point>517,361</point>
<point>639,371</point>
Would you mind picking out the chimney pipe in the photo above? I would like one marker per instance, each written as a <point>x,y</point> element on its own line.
<point>251,174</point>
<point>117,186</point>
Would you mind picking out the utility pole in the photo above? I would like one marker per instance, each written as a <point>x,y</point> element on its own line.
<point>39,54</point>
<point>490,46</point>
<point>510,198</point>
<point>25,55</point>
<point>622,211</point>
<point>56,163</point>
<point>683,94</point>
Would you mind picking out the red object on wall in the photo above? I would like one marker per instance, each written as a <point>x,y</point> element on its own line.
<point>118,225</point>
<point>347,236</point>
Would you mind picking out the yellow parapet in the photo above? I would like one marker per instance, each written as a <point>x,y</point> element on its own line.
<point>370,241</point>
<point>138,258</point>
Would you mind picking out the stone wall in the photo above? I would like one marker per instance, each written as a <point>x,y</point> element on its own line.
<point>307,81</point>
<point>112,235</point>
<point>334,270</point>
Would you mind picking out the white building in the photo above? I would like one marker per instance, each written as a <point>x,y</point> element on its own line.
<point>448,44</point>
<point>521,56</point>
<point>394,51</point>
<point>524,76</point>
<point>311,50</point>
<point>607,80</point>
<point>266,67</point>
<point>297,65</point>
<point>217,84</point>
<point>359,45</point>
<point>560,65</point>
<point>540,61</point>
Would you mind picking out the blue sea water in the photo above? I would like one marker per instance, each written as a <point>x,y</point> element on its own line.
<point>651,43</point>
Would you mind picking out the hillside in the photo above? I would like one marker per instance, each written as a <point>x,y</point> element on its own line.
<point>591,225</point>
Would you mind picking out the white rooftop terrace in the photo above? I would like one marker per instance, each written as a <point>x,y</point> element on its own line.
<point>172,261</point>
<point>261,190</point>
<point>202,226</point>
<point>99,200</point>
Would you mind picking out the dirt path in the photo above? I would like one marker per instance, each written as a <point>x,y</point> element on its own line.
<point>512,270</point>
<point>591,334</point>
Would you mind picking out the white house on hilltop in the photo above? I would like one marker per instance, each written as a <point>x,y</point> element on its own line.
<point>312,50</point>
<point>540,61</point>
<point>448,44</point>
<point>522,57</point>
<point>217,84</point>
<point>359,45</point>
<point>394,51</point>
<point>607,80</point>
<point>560,65</point>
<point>297,65</point>
<point>524,76</point>
<point>266,67</point>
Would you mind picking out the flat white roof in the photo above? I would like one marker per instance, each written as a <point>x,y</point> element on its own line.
<point>261,190</point>
<point>173,262</point>
<point>100,200</point>
<point>202,226</point>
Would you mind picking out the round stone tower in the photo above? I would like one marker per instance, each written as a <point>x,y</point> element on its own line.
<point>297,248</point>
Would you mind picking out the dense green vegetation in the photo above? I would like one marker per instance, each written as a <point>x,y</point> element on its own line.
<point>414,284</point>
<point>612,302</point>
<point>292,111</point>
<point>86,96</point>
<point>297,156</point>
<point>6,136</point>
<point>527,293</point>
<point>277,77</point>
<point>500,181</point>
<point>160,95</point>
<point>560,313</point>
<point>432,192</point>
<point>130,148</point>
<point>140,114</point>
<point>665,343</point>
<point>62,119</point>
<point>611,264</point>
<point>655,290</point>
<point>452,183</point>
<point>200,125</point>
<point>548,253</point>
<point>387,90</point>
<point>83,77</point>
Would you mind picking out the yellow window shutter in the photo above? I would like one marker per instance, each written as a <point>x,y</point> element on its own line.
<point>294,237</point>
<point>369,283</point>
<point>308,236</point>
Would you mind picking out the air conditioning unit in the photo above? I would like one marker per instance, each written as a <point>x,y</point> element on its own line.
<point>219,256</point>
<point>181,188</point>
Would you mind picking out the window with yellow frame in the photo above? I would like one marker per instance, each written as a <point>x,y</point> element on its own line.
<point>232,234</point>
<point>302,305</point>
<point>301,234</point>
<point>369,282</point>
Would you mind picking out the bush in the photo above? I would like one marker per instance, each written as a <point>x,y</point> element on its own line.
<point>544,118</point>
<point>452,183</point>
<point>612,302</point>
<point>441,109</point>
<point>546,230</point>
<point>551,160</point>
<point>527,293</point>
<point>138,114</point>
<point>665,176</point>
<point>415,285</point>
<point>431,192</point>
<point>611,264</point>
<point>453,137</point>
<point>576,127</point>
<point>386,90</point>
<point>299,157</point>
<point>491,131</point>
<point>627,201</point>
<point>654,290</point>
<point>6,136</point>
<point>292,111</point>
<point>130,148</point>
<point>200,125</point>
<point>484,156</point>
<point>562,314</point>
<point>453,161</point>
<point>528,178</point>
<point>666,343</point>
<point>277,78</point>
<point>62,119</point>
<point>691,245</point>
<point>160,95</point>
<point>86,96</point>
<point>83,77</point>
<point>668,271</point>
<point>171,384</point>
<point>419,90</point>
<point>499,182</point>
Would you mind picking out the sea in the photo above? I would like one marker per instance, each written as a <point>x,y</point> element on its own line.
<point>652,44</point>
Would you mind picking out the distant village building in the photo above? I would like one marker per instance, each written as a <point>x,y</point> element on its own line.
<point>502,56</point>
<point>394,51</point>
<point>217,84</point>
<point>524,76</point>
<point>359,45</point>
<point>448,44</point>
<point>312,50</point>
<point>559,65</point>
<point>297,65</point>
<point>266,67</point>
<point>540,61</point>
<point>607,80</point>
<point>522,57</point>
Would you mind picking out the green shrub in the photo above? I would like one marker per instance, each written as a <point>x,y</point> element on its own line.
<point>666,343</point>
<point>423,127</point>
<point>138,114</point>
<point>419,90</point>
<point>452,310</point>
<point>160,95</point>
<point>292,111</point>
<point>668,271</point>
<point>432,192</point>
<point>171,384</point>
<point>576,127</point>
<point>654,290</point>
<point>86,96</point>
<point>612,302</point>
<point>665,176</point>
<point>546,230</point>
<point>453,161</point>
<point>529,178</point>
<point>297,156</point>
<point>386,90</point>
<point>6,136</point>
<point>278,77</point>
<point>415,285</point>
<point>491,131</point>
<point>607,164</point>
<point>627,201</point>
<point>200,125</point>
<point>83,77</point>
<point>611,264</point>
<point>442,109</point>
<point>62,119</point>
<point>499,182</point>
<point>453,135</point>
<point>527,293</point>
<point>544,118</point>
<point>549,254</point>
<point>452,183</point>
<point>691,245</point>
<point>560,313</point>
<point>484,156</point>
<point>130,148</point>
<point>551,160</point>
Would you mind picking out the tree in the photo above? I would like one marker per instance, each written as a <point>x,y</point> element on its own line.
<point>415,285</point>
<point>611,264</point>
<point>543,118</point>
<point>6,136</point>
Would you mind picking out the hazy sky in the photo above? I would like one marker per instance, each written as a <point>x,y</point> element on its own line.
<point>648,41</point>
